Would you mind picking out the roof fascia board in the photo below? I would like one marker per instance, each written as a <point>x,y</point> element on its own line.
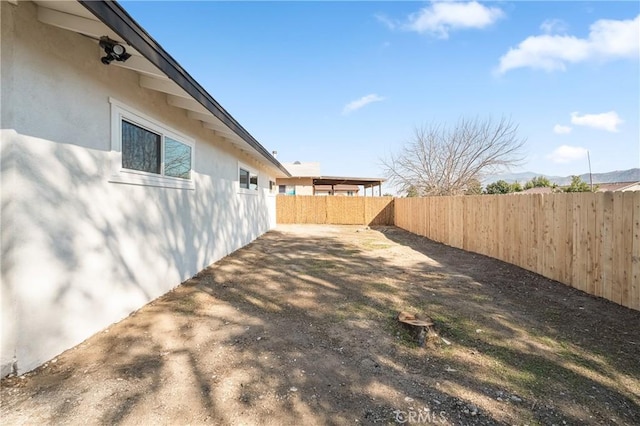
<point>116,18</point>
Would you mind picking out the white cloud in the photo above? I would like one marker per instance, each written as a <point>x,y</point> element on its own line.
<point>561,130</point>
<point>608,121</point>
<point>359,103</point>
<point>567,154</point>
<point>442,17</point>
<point>386,21</point>
<point>607,40</point>
<point>554,26</point>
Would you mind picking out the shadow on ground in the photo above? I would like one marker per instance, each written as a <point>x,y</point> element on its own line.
<point>298,328</point>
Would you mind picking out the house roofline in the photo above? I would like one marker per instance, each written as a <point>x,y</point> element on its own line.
<point>115,17</point>
<point>372,179</point>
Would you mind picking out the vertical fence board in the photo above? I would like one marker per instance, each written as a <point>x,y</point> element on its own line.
<point>520,236</point>
<point>450,230</point>
<point>591,279</point>
<point>538,239</point>
<point>598,244</point>
<point>525,229</point>
<point>529,228</point>
<point>585,243</point>
<point>561,237</point>
<point>573,245</point>
<point>457,221</point>
<point>510,223</point>
<point>635,255</point>
<point>432,224</point>
<point>607,246</point>
<point>617,246</point>
<point>498,208</point>
<point>573,219</point>
<point>466,223</point>
<point>443,213</point>
<point>479,212</point>
<point>626,249</point>
<point>579,272</point>
<point>568,231</point>
<point>458,213</point>
<point>424,206</point>
<point>421,216</point>
<point>546,264</point>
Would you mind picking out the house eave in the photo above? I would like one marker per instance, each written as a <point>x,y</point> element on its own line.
<point>119,21</point>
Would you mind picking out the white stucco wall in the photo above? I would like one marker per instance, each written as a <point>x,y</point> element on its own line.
<point>80,252</point>
<point>303,185</point>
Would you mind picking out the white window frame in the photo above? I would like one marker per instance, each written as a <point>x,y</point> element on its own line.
<point>252,172</point>
<point>120,112</point>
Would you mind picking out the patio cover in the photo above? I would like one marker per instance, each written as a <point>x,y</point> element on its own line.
<point>337,180</point>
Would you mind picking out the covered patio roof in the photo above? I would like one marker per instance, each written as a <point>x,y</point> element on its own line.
<point>335,180</point>
<point>340,180</point>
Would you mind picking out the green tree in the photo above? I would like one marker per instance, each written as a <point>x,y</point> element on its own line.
<point>538,182</point>
<point>578,185</point>
<point>516,187</point>
<point>499,187</point>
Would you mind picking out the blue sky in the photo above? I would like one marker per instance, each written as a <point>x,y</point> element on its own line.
<point>346,83</point>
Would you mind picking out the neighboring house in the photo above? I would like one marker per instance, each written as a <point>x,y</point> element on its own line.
<point>119,181</point>
<point>301,180</point>
<point>618,186</point>
<point>306,180</point>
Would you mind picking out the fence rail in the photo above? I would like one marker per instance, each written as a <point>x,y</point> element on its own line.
<point>334,210</point>
<point>590,241</point>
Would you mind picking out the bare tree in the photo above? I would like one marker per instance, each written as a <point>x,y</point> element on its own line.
<point>446,161</point>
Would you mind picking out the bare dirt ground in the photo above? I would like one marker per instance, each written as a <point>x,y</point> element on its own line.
<point>299,328</point>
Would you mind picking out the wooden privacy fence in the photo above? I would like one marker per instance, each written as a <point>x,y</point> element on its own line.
<point>334,210</point>
<point>590,241</point>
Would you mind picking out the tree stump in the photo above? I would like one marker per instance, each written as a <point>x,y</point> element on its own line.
<point>421,329</point>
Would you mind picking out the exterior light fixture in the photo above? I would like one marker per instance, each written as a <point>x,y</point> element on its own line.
<point>114,51</point>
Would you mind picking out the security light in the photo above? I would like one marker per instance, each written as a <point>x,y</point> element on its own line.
<point>113,50</point>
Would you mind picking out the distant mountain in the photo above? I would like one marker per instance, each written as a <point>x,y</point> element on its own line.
<point>631,175</point>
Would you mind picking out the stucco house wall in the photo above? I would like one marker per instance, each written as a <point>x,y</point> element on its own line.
<point>303,185</point>
<point>80,252</point>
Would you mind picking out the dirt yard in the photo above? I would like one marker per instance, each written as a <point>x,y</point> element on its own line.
<point>299,328</point>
